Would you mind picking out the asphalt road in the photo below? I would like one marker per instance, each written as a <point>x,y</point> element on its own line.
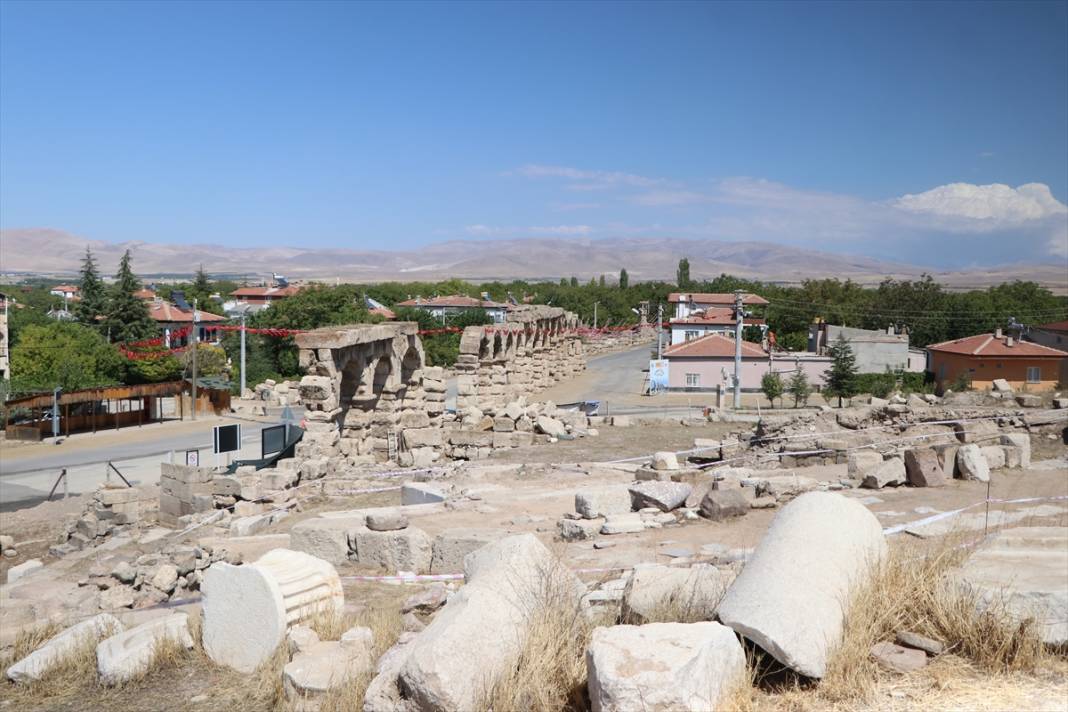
<point>28,472</point>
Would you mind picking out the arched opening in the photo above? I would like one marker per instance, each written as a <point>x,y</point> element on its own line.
<point>383,370</point>
<point>410,365</point>
<point>498,346</point>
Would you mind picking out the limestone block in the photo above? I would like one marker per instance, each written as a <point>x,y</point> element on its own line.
<point>453,545</point>
<point>325,538</point>
<point>594,502</point>
<point>979,431</point>
<point>1022,441</point>
<point>804,563</point>
<point>1022,572</point>
<point>665,496</point>
<point>422,437</point>
<point>549,426</point>
<point>300,638</point>
<point>947,459</point>
<point>890,473</point>
<point>720,504</point>
<point>629,523</point>
<point>57,648</point>
<point>1013,456</point>
<point>1029,400</point>
<point>476,636</point>
<point>128,654</point>
<point>579,529</point>
<point>23,569</point>
<point>386,521</point>
<point>420,493</point>
<point>860,462</point>
<point>321,667</point>
<point>971,464</point>
<point>994,456</point>
<point>316,388</point>
<point>665,461</point>
<point>662,666</point>
<point>407,549</point>
<point>697,590</point>
<point>922,468</point>
<point>413,419</point>
<point>248,608</point>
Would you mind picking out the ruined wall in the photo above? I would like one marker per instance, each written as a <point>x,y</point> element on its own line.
<point>365,385</point>
<point>537,347</point>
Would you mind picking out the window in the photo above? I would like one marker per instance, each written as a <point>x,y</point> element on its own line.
<point>693,380</point>
<point>692,335</point>
<point>1034,374</point>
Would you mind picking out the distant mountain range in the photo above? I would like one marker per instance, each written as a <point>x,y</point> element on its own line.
<point>54,252</point>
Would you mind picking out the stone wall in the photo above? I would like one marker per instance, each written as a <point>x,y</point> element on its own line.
<point>537,347</point>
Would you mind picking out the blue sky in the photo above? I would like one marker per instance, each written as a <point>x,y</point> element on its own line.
<point>891,130</point>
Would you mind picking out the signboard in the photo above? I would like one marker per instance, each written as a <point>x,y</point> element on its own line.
<point>658,375</point>
<point>192,458</point>
<point>227,438</point>
<point>273,440</point>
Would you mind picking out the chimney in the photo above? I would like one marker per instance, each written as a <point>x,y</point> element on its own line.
<point>997,333</point>
<point>1009,341</point>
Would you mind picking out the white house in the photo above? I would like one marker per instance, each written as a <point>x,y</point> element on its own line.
<point>713,320</point>
<point>686,303</point>
<point>443,307</point>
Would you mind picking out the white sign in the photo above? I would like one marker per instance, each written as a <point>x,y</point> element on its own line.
<point>658,375</point>
<point>192,458</point>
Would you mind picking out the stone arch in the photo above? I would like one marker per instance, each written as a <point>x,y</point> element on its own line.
<point>382,372</point>
<point>498,345</point>
<point>484,348</point>
<point>411,364</point>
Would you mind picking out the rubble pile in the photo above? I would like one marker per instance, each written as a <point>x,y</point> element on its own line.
<point>112,510</point>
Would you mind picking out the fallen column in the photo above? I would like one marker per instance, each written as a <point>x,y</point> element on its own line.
<point>247,609</point>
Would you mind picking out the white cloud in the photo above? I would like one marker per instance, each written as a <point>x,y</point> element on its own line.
<point>588,180</point>
<point>669,197</point>
<point>543,230</point>
<point>993,206</point>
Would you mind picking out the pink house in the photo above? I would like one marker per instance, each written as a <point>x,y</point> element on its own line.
<point>707,362</point>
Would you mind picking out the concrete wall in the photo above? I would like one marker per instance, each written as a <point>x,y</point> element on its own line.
<point>678,331</point>
<point>947,367</point>
<point>710,371</point>
<point>876,351</point>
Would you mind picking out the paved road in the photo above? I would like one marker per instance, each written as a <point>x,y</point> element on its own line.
<point>27,472</point>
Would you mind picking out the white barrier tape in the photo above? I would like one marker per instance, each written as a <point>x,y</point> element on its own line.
<point>898,528</point>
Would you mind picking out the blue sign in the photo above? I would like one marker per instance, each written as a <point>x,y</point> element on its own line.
<point>658,375</point>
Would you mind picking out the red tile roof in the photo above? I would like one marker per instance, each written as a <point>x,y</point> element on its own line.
<point>987,345</point>
<point>67,288</point>
<point>456,300</point>
<point>714,315</point>
<point>146,294</point>
<point>1054,326</point>
<point>709,298</point>
<point>384,312</point>
<point>713,346</point>
<point>276,292</point>
<point>166,312</point>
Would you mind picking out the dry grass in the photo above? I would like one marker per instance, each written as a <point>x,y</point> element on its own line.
<point>549,673</point>
<point>74,674</point>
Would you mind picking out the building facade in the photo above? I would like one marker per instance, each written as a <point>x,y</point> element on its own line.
<point>687,303</point>
<point>875,351</point>
<point>444,307</point>
<point>707,363</point>
<point>983,358</point>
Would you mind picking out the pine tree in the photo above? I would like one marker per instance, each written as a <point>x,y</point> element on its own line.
<point>127,316</point>
<point>624,279</point>
<point>201,286</point>
<point>799,388</point>
<point>682,274</point>
<point>92,291</point>
<point>600,282</point>
<point>841,380</point>
<point>574,282</point>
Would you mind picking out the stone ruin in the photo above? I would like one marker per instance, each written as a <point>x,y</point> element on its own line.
<point>370,398</point>
<point>536,348</point>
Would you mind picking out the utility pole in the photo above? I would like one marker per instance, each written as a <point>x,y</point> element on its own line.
<point>659,332</point>
<point>56,393</point>
<point>243,315</point>
<point>739,314</point>
<point>595,315</point>
<point>196,319</point>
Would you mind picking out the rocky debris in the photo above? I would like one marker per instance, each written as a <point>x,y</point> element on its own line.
<point>1029,400</point>
<point>665,496</point>
<point>452,546</point>
<point>321,667</point>
<point>326,538</point>
<point>23,569</point>
<point>173,573</point>
<point>971,464</point>
<point>596,502</point>
<point>1060,403</point>
<point>920,642</point>
<point>664,460</point>
<point>662,666</point>
<point>977,431</point>
<point>1022,441</point>
<point>788,599</point>
<point>247,609</point>
<point>1001,385</point>
<point>383,693</point>
<point>408,549</point>
<point>896,658</point>
<point>721,504</point>
<point>550,426</point>
<point>128,654</point>
<point>579,529</point>
<point>922,468</point>
<point>300,638</point>
<point>696,590</point>
<point>428,600</point>
<point>1022,572</point>
<point>472,640</point>
<point>112,510</point>
<point>35,665</point>
<point>629,523</point>
<point>994,456</point>
<point>889,473</point>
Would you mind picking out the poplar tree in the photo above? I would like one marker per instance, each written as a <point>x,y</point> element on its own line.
<point>682,274</point>
<point>624,279</point>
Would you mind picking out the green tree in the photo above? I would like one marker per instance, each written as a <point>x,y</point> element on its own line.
<point>772,386</point>
<point>126,317</point>
<point>574,281</point>
<point>841,379</point>
<point>624,279</point>
<point>211,360</point>
<point>63,354</point>
<point>600,282</point>
<point>799,387</point>
<point>682,274</point>
<point>154,366</point>
<point>92,291</point>
<point>563,281</point>
<point>201,289</point>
